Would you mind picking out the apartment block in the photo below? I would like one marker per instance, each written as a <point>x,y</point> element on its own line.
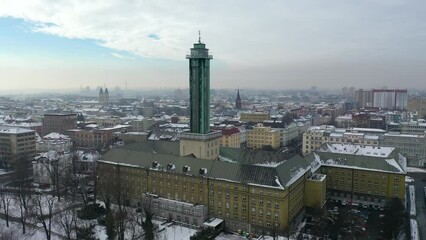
<point>256,117</point>
<point>261,136</point>
<point>59,122</point>
<point>316,136</point>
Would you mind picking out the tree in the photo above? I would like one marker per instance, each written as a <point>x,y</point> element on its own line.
<point>44,207</point>
<point>56,168</point>
<point>145,221</point>
<point>21,180</point>
<point>67,220</point>
<point>85,232</point>
<point>394,218</point>
<point>6,199</point>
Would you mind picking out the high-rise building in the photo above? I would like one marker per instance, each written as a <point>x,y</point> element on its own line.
<point>199,88</point>
<point>391,99</point>
<point>364,98</point>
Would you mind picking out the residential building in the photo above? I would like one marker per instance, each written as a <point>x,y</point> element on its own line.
<point>16,144</point>
<point>288,132</point>
<point>230,137</point>
<point>316,136</point>
<point>417,104</point>
<point>59,122</point>
<point>364,98</point>
<point>141,125</point>
<point>413,147</point>
<point>54,142</point>
<point>261,136</point>
<point>49,165</point>
<point>256,117</point>
<point>93,137</point>
<point>391,99</point>
<point>362,174</point>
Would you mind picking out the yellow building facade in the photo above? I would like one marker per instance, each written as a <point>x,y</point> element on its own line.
<point>261,136</point>
<point>251,198</point>
<point>254,116</point>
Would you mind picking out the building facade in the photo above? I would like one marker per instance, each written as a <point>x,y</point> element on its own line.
<point>254,198</point>
<point>16,144</point>
<point>261,136</point>
<point>256,117</point>
<point>413,147</point>
<point>417,104</point>
<point>315,137</point>
<point>59,123</point>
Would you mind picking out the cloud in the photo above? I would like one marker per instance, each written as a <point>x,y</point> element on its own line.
<point>121,56</point>
<point>245,35</point>
<point>154,36</point>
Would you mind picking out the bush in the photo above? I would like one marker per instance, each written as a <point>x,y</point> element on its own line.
<point>91,211</point>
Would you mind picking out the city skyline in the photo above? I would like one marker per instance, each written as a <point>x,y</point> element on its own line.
<point>283,45</point>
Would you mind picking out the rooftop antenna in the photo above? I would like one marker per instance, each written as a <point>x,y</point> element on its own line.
<point>199,36</point>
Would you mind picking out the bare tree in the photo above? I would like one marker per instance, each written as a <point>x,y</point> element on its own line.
<point>44,207</point>
<point>144,220</point>
<point>6,199</point>
<point>56,169</point>
<point>121,199</point>
<point>67,220</point>
<point>21,181</point>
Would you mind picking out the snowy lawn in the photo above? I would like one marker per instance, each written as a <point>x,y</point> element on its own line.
<point>14,232</point>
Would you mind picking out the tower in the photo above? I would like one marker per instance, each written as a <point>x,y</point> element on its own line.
<point>101,96</point>
<point>199,88</point>
<point>200,142</point>
<point>106,96</point>
<point>238,101</point>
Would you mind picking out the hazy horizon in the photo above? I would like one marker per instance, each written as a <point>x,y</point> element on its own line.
<point>273,45</point>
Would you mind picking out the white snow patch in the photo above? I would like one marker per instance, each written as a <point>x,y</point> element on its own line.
<point>414,169</point>
<point>412,194</point>
<point>268,164</point>
<point>294,175</point>
<point>414,229</point>
<point>394,164</point>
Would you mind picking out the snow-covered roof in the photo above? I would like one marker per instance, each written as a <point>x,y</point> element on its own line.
<point>55,136</point>
<point>383,152</point>
<point>14,130</point>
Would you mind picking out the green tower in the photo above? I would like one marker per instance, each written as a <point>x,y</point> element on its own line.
<point>199,88</point>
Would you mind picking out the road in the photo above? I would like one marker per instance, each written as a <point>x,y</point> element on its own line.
<point>420,202</point>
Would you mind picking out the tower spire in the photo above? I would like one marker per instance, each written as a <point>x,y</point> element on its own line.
<point>199,36</point>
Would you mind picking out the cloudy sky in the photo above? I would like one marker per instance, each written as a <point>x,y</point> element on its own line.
<point>276,44</point>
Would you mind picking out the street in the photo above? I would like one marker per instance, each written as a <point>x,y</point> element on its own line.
<point>420,201</point>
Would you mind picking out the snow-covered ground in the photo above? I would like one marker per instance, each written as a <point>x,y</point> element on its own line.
<point>176,232</point>
<point>414,229</point>
<point>14,209</point>
<point>14,232</point>
<point>412,194</point>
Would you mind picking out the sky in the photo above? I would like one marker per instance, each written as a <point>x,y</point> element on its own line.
<point>274,44</point>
